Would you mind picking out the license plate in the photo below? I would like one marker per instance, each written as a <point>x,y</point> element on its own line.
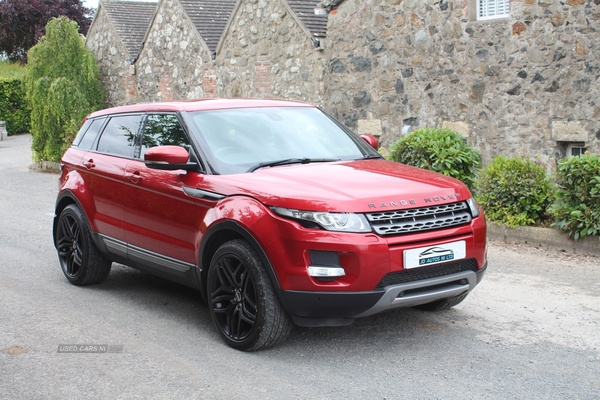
<point>422,256</point>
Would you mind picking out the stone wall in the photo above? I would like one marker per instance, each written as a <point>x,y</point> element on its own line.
<point>171,63</point>
<point>525,85</point>
<point>112,58</point>
<point>266,53</point>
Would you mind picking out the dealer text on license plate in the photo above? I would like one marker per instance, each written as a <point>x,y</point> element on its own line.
<point>430,255</point>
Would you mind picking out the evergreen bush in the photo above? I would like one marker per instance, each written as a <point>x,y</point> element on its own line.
<point>514,191</point>
<point>439,150</point>
<point>62,88</point>
<point>13,106</point>
<point>576,207</point>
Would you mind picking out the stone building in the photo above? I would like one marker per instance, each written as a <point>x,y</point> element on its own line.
<point>116,37</point>
<point>518,77</point>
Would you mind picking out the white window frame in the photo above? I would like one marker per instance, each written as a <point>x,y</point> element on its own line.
<point>492,9</point>
<point>576,148</point>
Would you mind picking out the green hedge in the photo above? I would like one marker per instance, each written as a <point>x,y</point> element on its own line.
<point>13,106</point>
<point>514,191</point>
<point>439,150</point>
<point>576,208</point>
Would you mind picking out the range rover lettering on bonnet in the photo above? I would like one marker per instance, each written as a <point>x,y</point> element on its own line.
<point>434,199</point>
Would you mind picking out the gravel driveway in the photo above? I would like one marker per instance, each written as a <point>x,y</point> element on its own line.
<point>530,330</point>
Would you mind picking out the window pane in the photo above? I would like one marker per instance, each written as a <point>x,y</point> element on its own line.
<point>119,135</point>
<point>238,139</point>
<point>82,132</point>
<point>163,130</point>
<point>89,137</point>
<point>489,9</point>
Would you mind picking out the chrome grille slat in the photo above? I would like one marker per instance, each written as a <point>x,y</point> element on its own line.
<point>419,219</point>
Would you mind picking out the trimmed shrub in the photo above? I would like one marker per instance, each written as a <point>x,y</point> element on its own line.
<point>62,88</point>
<point>439,150</point>
<point>514,191</point>
<point>13,106</point>
<point>576,207</point>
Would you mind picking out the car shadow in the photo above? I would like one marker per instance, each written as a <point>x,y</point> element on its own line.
<point>182,304</point>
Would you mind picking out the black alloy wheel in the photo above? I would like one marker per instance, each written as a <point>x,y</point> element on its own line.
<point>79,259</point>
<point>233,298</point>
<point>69,245</point>
<point>242,301</point>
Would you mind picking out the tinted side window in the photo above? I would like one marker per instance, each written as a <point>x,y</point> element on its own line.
<point>89,136</point>
<point>82,131</point>
<point>119,135</point>
<point>163,130</point>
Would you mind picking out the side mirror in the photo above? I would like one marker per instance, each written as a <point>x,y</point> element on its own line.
<point>168,158</point>
<point>371,140</point>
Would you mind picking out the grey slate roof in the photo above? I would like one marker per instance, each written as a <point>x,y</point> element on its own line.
<point>210,18</point>
<point>131,20</point>
<point>304,9</point>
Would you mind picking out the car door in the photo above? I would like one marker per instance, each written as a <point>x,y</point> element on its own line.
<point>160,217</point>
<point>103,171</point>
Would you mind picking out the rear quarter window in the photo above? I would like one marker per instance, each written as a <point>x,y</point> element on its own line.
<point>88,133</point>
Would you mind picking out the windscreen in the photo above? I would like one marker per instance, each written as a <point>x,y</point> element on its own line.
<point>237,140</point>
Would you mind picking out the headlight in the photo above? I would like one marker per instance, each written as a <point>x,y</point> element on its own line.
<point>473,207</point>
<point>339,222</point>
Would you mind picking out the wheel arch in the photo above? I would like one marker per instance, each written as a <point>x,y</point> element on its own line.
<point>221,233</point>
<point>63,200</point>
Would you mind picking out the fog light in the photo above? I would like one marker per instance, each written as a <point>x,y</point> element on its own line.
<point>325,272</point>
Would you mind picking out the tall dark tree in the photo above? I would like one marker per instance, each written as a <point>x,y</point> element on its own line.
<point>62,87</point>
<point>23,22</point>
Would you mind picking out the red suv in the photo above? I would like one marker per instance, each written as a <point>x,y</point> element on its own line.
<point>273,210</point>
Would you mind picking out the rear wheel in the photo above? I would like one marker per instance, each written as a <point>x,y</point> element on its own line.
<point>443,304</point>
<point>242,301</point>
<point>79,259</point>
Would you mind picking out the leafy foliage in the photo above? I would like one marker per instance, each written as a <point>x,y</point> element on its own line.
<point>514,191</point>
<point>13,106</point>
<point>22,22</point>
<point>577,201</point>
<point>62,88</point>
<point>9,69</point>
<point>440,150</point>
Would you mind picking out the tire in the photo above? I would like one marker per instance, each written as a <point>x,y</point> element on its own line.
<point>443,304</point>
<point>79,259</point>
<point>242,301</point>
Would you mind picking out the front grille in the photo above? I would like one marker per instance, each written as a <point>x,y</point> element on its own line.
<point>434,271</point>
<point>419,219</point>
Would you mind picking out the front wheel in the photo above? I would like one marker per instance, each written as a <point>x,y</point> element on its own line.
<point>242,301</point>
<point>79,259</point>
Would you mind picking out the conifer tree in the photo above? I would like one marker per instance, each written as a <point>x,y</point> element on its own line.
<point>62,87</point>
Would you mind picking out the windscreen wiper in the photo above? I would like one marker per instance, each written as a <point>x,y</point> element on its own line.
<point>288,161</point>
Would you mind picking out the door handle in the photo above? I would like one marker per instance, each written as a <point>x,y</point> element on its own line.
<point>134,177</point>
<point>89,164</point>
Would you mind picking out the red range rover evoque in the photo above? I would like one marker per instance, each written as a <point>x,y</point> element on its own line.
<point>273,210</point>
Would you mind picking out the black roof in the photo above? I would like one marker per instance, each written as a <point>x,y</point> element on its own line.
<point>132,20</point>
<point>304,9</point>
<point>210,18</point>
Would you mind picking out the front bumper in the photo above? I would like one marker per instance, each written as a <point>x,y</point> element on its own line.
<point>312,309</point>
